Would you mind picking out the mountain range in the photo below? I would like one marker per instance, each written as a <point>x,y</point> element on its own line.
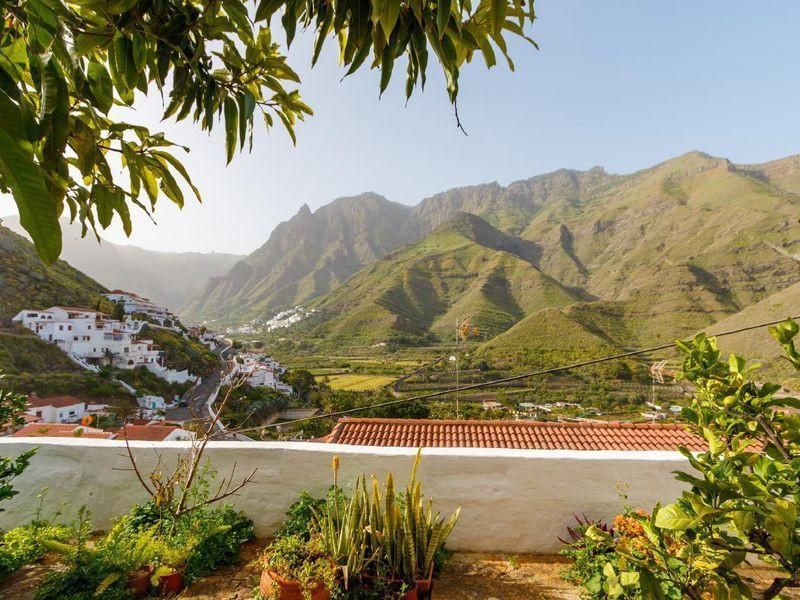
<point>562,265</point>
<point>623,260</point>
<point>168,278</point>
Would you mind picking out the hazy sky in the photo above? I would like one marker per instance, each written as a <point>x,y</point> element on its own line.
<point>622,84</point>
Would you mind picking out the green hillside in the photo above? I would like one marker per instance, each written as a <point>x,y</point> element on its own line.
<point>757,345</point>
<point>466,268</point>
<point>25,282</point>
<point>182,353</point>
<point>548,337</point>
<point>628,261</point>
<point>715,230</point>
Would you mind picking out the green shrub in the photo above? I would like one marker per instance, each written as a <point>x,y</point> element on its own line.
<point>20,546</point>
<point>300,516</point>
<point>742,497</point>
<point>221,532</point>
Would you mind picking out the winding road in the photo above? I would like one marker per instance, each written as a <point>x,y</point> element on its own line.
<point>197,397</point>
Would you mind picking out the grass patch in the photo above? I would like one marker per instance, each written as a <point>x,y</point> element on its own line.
<point>356,383</point>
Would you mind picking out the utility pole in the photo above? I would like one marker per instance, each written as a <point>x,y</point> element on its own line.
<point>458,335</point>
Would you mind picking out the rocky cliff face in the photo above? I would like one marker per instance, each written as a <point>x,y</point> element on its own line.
<point>305,257</point>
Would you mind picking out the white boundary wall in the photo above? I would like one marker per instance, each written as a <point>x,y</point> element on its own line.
<point>512,500</point>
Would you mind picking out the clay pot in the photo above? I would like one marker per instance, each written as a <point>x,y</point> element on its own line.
<point>171,584</point>
<point>411,594</point>
<point>290,590</point>
<point>139,581</point>
<point>425,586</point>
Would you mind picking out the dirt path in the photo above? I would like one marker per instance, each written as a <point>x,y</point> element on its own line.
<point>467,577</point>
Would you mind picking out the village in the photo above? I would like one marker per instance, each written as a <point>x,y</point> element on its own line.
<point>95,340</point>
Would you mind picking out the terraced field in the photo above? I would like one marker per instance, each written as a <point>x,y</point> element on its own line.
<point>352,382</point>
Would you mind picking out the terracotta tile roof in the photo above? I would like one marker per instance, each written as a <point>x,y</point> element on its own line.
<point>124,293</point>
<point>144,433</point>
<point>62,430</point>
<point>76,309</point>
<point>513,434</point>
<point>56,401</point>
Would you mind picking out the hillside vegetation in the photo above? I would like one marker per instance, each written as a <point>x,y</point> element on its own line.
<point>182,353</point>
<point>167,278</point>
<point>574,263</point>
<point>25,282</point>
<point>305,257</point>
<point>466,267</point>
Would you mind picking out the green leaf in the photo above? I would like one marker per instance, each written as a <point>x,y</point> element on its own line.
<point>48,84</point>
<point>266,8</point>
<point>442,16</point>
<point>673,517</point>
<point>389,16</point>
<point>715,444</point>
<point>101,86</point>
<point>649,586</point>
<point>123,69</point>
<point>231,127</point>
<point>499,8</point>
<point>38,213</point>
<point>103,201</point>
<point>178,166</point>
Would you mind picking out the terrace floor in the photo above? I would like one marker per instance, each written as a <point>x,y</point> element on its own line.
<point>467,577</point>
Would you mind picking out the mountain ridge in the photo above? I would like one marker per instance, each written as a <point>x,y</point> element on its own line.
<point>167,278</point>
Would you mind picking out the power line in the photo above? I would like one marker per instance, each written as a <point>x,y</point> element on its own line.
<point>495,382</point>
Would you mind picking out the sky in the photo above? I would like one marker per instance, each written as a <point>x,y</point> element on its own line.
<point>623,84</point>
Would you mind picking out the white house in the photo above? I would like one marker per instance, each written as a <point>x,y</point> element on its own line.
<point>92,336</point>
<point>133,303</point>
<point>56,409</point>
<point>261,371</point>
<point>152,402</point>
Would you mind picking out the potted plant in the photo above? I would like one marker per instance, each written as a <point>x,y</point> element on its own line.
<point>168,574</point>
<point>343,526</point>
<point>427,530</point>
<point>301,569</point>
<point>406,534</point>
<point>139,581</point>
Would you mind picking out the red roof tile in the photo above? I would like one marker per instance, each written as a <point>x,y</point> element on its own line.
<point>61,430</point>
<point>513,434</point>
<point>144,433</point>
<point>56,401</point>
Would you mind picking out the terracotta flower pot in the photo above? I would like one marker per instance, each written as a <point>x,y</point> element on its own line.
<point>171,584</point>
<point>290,590</point>
<point>411,594</point>
<point>139,581</point>
<point>425,586</point>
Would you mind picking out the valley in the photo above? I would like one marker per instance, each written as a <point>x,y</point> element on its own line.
<point>376,300</point>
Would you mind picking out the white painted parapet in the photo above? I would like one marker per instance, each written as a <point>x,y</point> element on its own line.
<point>512,500</point>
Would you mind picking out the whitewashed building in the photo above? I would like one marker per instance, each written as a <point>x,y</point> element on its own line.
<point>261,371</point>
<point>56,409</point>
<point>92,336</point>
<point>151,403</point>
<point>135,304</point>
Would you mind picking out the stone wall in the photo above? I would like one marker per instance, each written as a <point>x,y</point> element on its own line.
<point>512,500</point>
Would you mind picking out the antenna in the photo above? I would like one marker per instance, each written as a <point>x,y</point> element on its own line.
<point>656,376</point>
<point>464,330</point>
